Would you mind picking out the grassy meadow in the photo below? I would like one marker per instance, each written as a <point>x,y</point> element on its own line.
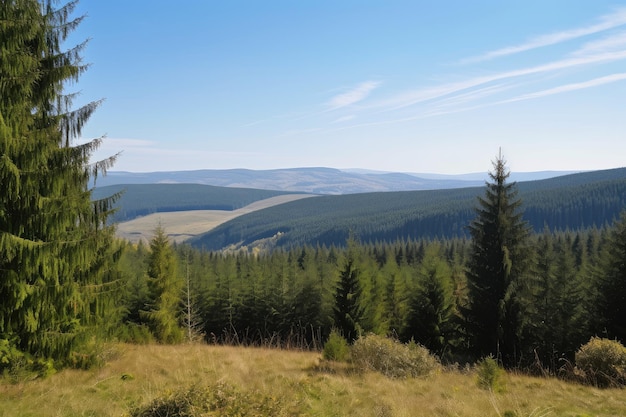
<point>299,381</point>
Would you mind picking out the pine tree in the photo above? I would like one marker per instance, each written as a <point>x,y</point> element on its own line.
<point>498,265</point>
<point>348,312</point>
<point>56,267</point>
<point>431,309</point>
<point>612,284</point>
<point>165,290</point>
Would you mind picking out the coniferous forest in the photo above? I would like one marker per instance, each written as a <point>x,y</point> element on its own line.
<point>528,299</point>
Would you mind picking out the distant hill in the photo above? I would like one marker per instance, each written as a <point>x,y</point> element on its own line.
<point>313,180</point>
<point>566,202</point>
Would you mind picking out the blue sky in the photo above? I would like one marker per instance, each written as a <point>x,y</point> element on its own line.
<point>407,86</point>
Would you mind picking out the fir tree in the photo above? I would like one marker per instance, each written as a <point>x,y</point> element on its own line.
<point>58,253</point>
<point>612,284</point>
<point>498,265</point>
<point>431,308</point>
<point>348,311</point>
<point>165,290</point>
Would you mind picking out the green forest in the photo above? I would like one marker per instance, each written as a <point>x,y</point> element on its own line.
<point>528,298</point>
<point>564,288</point>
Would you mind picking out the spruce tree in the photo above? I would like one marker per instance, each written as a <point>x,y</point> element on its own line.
<point>431,308</point>
<point>348,311</point>
<point>497,269</point>
<point>611,302</point>
<point>57,249</point>
<point>166,290</point>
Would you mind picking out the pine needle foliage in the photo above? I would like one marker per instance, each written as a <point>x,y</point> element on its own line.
<point>612,283</point>
<point>165,287</point>
<point>56,250</point>
<point>497,269</point>
<point>348,311</point>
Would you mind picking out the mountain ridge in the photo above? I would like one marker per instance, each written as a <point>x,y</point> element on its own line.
<point>316,180</point>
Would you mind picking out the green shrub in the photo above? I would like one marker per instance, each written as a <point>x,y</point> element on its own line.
<point>17,366</point>
<point>603,362</point>
<point>392,358</point>
<point>489,374</point>
<point>220,399</point>
<point>134,333</point>
<point>336,347</point>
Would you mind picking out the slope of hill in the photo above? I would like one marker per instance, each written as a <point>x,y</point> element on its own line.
<point>313,180</point>
<point>182,225</point>
<point>567,202</point>
<point>143,199</point>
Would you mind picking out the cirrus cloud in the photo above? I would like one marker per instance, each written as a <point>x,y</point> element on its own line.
<point>355,95</point>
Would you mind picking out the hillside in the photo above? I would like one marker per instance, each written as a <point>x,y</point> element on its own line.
<point>568,202</point>
<point>184,224</point>
<point>144,199</point>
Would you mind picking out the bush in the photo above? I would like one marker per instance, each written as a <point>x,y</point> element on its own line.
<point>602,362</point>
<point>392,358</point>
<point>489,374</point>
<point>134,333</point>
<point>220,399</point>
<point>336,347</point>
<point>17,366</point>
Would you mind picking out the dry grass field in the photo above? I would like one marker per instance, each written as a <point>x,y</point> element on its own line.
<point>181,225</point>
<point>138,374</point>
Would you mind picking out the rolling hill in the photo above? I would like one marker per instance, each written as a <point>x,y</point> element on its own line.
<point>566,202</point>
<point>313,180</point>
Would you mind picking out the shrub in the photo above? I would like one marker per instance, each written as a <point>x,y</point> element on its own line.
<point>603,362</point>
<point>134,333</point>
<point>392,358</point>
<point>220,399</point>
<point>489,374</point>
<point>336,347</point>
<point>17,366</point>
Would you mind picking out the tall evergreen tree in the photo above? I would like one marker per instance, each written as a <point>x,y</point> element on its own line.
<point>348,311</point>
<point>431,309</point>
<point>498,265</point>
<point>612,284</point>
<point>166,288</point>
<point>57,251</point>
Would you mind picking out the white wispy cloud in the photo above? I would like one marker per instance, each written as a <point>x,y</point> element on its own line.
<point>490,89</point>
<point>610,43</point>
<point>610,21</point>
<point>343,119</point>
<point>355,95</point>
<point>570,87</point>
<point>422,95</point>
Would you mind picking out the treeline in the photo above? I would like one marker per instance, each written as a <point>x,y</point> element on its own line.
<point>415,289</point>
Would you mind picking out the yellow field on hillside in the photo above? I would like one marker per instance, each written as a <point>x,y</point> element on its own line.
<point>139,374</point>
<point>181,225</point>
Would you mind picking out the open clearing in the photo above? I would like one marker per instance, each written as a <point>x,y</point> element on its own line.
<point>181,225</point>
<point>137,374</point>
